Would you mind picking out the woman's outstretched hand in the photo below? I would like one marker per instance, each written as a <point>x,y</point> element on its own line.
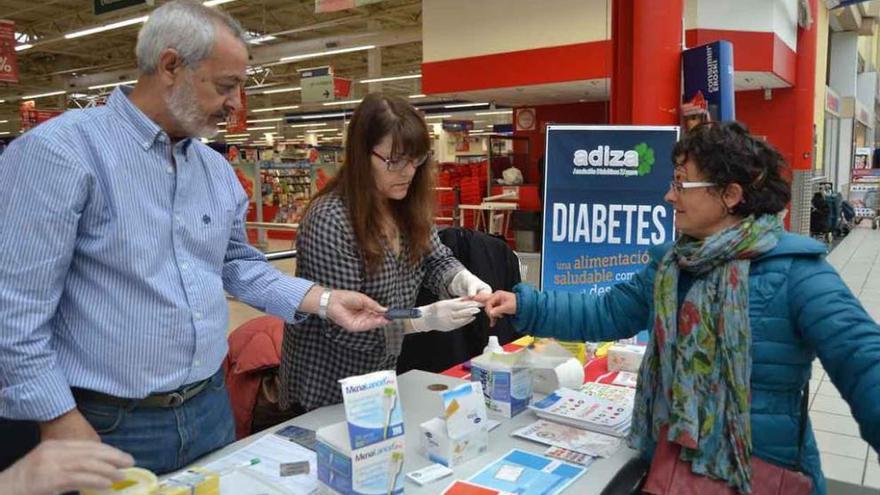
<point>497,305</point>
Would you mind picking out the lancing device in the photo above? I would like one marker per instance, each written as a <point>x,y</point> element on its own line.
<point>403,314</point>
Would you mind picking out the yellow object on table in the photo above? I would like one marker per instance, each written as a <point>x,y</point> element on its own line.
<point>193,481</point>
<point>137,482</point>
<point>578,350</point>
<point>602,351</point>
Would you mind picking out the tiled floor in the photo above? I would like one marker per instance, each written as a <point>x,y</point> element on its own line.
<point>846,458</point>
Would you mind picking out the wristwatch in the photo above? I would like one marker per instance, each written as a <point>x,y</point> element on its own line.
<point>324,303</point>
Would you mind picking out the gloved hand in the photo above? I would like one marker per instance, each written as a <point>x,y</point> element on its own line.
<point>466,283</point>
<point>446,315</point>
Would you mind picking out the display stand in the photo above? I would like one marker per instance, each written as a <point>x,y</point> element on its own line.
<point>286,191</point>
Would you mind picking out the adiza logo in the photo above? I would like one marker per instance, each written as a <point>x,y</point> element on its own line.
<point>607,161</point>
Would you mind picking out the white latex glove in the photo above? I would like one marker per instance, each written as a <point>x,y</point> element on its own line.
<point>446,315</point>
<point>465,283</point>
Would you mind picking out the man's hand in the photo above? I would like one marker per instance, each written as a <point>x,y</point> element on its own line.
<point>69,426</point>
<point>355,312</point>
<point>57,466</point>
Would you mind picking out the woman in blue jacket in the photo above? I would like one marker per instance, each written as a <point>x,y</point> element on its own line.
<point>738,310</point>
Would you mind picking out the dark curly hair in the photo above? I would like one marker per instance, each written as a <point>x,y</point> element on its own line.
<point>727,154</point>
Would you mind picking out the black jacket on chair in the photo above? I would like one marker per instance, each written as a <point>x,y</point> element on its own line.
<point>487,257</point>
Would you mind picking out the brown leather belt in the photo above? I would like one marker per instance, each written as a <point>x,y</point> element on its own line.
<point>165,399</point>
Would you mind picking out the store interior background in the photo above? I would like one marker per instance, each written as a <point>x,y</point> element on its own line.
<point>806,75</point>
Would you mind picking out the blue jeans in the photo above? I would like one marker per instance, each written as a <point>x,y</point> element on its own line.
<point>167,439</point>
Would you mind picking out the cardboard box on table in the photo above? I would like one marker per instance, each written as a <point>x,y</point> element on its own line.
<point>364,454</point>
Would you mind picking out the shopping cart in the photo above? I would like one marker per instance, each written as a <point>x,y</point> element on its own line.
<point>865,200</point>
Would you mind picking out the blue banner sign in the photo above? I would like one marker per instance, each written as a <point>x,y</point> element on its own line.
<point>603,203</point>
<point>708,80</point>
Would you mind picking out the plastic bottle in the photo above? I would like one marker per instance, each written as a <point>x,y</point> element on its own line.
<point>493,345</point>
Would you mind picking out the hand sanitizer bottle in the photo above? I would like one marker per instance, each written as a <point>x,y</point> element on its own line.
<point>493,345</point>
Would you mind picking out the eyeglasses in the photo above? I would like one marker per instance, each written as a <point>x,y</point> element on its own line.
<point>679,187</point>
<point>399,164</point>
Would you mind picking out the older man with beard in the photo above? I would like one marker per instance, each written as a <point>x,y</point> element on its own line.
<point>120,232</point>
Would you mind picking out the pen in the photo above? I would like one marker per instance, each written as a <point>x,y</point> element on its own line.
<point>236,467</point>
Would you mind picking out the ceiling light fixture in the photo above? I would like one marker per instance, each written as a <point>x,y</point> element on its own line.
<point>316,131</point>
<point>316,124</point>
<point>274,109</point>
<point>43,95</point>
<point>261,39</point>
<point>264,128</point>
<point>322,116</point>
<point>294,58</point>
<point>126,22</point>
<point>21,48</point>
<point>260,121</point>
<point>503,112</point>
<point>4,133</point>
<point>113,85</point>
<point>247,134</point>
<point>4,121</point>
<point>390,78</point>
<point>465,105</point>
<point>446,116</point>
<point>346,102</point>
<point>107,27</point>
<point>417,96</point>
<point>280,90</point>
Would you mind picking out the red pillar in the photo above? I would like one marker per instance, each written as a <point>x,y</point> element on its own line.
<point>646,79</point>
<point>805,92</point>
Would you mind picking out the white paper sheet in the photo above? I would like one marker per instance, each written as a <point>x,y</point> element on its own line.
<point>272,451</point>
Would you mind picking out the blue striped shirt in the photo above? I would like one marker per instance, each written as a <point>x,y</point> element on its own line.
<point>116,245</point>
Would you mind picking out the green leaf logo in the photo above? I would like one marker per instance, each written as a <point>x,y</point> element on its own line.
<point>646,158</point>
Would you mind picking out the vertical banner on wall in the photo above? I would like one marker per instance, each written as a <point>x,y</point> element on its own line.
<point>603,203</point>
<point>8,59</point>
<point>237,121</point>
<point>708,81</point>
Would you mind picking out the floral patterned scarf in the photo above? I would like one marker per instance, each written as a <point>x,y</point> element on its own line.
<point>697,369</point>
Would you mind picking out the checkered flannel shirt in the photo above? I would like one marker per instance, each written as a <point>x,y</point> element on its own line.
<point>316,353</point>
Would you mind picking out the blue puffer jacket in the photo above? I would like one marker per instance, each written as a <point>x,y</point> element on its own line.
<point>798,307</point>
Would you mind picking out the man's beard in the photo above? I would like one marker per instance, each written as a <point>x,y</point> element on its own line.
<point>184,109</point>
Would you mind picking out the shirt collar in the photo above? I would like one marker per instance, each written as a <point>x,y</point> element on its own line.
<point>142,127</point>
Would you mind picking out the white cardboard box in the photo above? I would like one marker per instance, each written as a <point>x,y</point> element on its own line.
<point>440,448</point>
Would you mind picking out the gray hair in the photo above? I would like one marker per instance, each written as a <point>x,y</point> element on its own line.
<point>188,27</point>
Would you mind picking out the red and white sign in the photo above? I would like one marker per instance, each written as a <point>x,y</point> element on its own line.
<point>832,102</point>
<point>8,59</point>
<point>237,121</point>
<point>341,87</point>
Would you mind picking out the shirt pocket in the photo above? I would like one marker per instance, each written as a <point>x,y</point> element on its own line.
<point>211,231</point>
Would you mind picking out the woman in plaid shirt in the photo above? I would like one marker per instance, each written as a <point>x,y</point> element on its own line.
<point>371,229</point>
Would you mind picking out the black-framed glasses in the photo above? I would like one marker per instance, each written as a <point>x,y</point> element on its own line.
<point>399,164</point>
